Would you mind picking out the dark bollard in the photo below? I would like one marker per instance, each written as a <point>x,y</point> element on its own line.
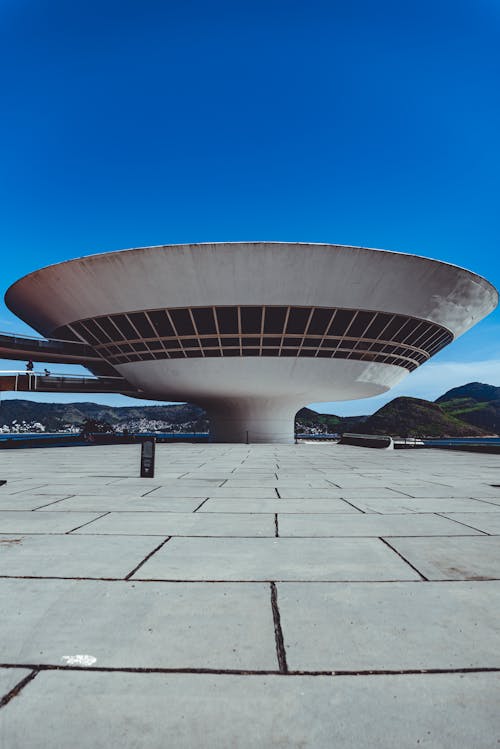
<point>148,459</point>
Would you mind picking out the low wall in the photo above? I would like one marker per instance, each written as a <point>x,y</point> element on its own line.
<point>380,441</point>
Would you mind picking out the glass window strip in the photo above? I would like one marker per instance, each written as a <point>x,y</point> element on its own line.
<point>80,337</point>
<point>424,333</point>
<point>412,333</point>
<point>169,318</point>
<point>306,328</point>
<point>217,329</point>
<point>239,327</point>
<point>195,329</point>
<point>327,329</point>
<point>430,336</point>
<point>89,333</point>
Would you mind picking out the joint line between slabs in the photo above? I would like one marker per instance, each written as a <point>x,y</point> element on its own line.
<point>484,501</point>
<point>127,577</point>
<point>343,499</point>
<point>233,672</point>
<point>276,529</point>
<point>215,581</point>
<point>278,632</point>
<point>88,522</point>
<point>70,496</point>
<point>384,541</point>
<point>32,489</point>
<point>150,491</point>
<point>460,522</point>
<point>18,687</point>
<point>201,504</point>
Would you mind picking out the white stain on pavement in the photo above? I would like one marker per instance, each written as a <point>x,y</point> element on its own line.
<point>79,660</point>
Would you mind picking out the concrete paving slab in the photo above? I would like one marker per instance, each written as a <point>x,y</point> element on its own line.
<point>434,491</point>
<point>245,493</point>
<point>9,678</point>
<point>467,558</point>
<point>138,481</point>
<point>14,490</point>
<point>84,503</point>
<point>302,492</point>
<point>278,505</point>
<point>441,711</point>
<point>127,625</point>
<point>72,556</point>
<point>194,478</point>
<point>184,524</point>
<point>271,483</point>
<point>180,492</point>
<point>275,559</point>
<point>403,623</point>
<point>405,505</point>
<point>379,492</point>
<point>39,522</point>
<point>482,490</point>
<point>110,491</point>
<point>354,482</point>
<point>397,626</point>
<point>30,501</point>
<point>485,497</point>
<point>488,522</point>
<point>253,473</point>
<point>367,525</point>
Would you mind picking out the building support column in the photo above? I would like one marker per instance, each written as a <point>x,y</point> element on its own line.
<point>252,420</point>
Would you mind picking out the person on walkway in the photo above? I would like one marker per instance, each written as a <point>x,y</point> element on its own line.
<point>29,366</point>
<point>46,372</point>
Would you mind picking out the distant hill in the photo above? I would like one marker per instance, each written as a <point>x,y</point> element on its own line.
<point>414,417</point>
<point>467,411</point>
<point>475,403</point>
<point>478,391</point>
<point>308,420</point>
<point>63,416</point>
<point>60,416</point>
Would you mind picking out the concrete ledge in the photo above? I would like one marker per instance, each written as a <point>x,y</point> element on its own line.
<point>381,441</point>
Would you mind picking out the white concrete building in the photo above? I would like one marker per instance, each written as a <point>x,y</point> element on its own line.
<point>252,331</point>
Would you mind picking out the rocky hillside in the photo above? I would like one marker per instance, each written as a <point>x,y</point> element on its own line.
<point>469,411</point>
<point>55,417</point>
<point>413,417</point>
<point>476,404</point>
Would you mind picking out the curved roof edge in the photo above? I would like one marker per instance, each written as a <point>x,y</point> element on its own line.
<point>477,277</point>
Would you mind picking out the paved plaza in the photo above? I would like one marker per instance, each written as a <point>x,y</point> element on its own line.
<point>305,596</point>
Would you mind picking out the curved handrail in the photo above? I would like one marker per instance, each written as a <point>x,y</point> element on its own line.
<point>65,375</point>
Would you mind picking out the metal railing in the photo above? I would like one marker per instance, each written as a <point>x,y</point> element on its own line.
<point>54,345</point>
<point>60,378</point>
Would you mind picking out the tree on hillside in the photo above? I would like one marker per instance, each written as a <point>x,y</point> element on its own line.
<point>95,426</point>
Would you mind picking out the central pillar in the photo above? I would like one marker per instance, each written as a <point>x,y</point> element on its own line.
<point>252,420</point>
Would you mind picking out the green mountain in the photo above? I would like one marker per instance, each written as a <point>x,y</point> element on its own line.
<point>478,391</point>
<point>308,420</point>
<point>413,417</point>
<point>475,403</point>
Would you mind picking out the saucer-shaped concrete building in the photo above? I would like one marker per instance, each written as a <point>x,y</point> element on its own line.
<point>252,331</point>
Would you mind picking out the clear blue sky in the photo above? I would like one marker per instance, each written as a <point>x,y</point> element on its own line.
<point>371,123</point>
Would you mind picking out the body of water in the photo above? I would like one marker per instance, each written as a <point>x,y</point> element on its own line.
<point>464,441</point>
<point>68,438</point>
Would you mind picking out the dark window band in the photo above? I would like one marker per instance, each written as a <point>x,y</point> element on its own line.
<point>323,332</point>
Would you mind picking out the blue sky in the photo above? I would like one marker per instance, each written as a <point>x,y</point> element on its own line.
<point>367,123</point>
